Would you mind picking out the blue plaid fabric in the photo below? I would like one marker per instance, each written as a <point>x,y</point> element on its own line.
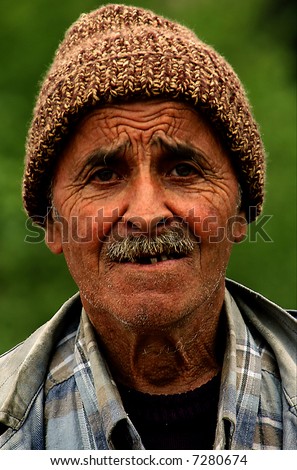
<point>77,404</point>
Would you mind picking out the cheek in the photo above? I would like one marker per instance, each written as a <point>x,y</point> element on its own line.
<point>90,224</point>
<point>208,224</point>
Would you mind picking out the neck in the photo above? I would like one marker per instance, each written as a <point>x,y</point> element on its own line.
<point>170,361</point>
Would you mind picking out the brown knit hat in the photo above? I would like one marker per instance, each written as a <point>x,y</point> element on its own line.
<point>121,53</point>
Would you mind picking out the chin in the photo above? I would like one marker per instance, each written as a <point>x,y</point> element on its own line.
<point>152,314</point>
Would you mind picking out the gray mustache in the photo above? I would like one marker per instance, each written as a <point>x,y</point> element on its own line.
<point>174,241</point>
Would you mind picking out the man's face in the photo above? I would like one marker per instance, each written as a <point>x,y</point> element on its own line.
<point>142,169</point>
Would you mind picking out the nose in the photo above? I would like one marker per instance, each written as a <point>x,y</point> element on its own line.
<point>147,208</point>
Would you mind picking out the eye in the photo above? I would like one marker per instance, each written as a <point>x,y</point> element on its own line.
<point>184,170</point>
<point>104,175</point>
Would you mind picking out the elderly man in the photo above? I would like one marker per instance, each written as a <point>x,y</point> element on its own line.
<point>144,165</point>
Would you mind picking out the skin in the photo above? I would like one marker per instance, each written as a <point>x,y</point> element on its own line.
<point>159,324</point>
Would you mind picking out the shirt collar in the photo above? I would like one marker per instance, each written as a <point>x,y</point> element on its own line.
<point>240,383</point>
<point>110,405</point>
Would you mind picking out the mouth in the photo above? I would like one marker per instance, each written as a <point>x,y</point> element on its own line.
<point>153,259</point>
<point>171,245</point>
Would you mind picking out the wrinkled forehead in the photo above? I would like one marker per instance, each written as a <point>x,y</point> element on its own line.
<point>147,122</point>
<point>143,131</point>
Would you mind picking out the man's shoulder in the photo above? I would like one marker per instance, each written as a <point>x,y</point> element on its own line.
<point>276,326</point>
<point>257,302</point>
<point>23,368</point>
<point>44,335</point>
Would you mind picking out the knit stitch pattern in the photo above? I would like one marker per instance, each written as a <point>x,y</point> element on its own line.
<point>118,53</point>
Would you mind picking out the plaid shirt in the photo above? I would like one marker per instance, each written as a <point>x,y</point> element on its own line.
<point>78,405</point>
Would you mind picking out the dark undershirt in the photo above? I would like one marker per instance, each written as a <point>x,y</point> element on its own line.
<point>183,421</point>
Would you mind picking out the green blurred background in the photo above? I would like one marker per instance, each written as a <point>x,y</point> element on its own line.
<point>256,36</point>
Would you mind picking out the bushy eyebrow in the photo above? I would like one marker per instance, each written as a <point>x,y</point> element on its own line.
<point>113,155</point>
<point>179,150</point>
<point>104,156</point>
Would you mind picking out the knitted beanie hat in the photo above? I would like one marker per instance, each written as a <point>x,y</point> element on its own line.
<point>121,53</point>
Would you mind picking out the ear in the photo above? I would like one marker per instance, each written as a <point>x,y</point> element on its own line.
<point>239,227</point>
<point>53,236</point>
